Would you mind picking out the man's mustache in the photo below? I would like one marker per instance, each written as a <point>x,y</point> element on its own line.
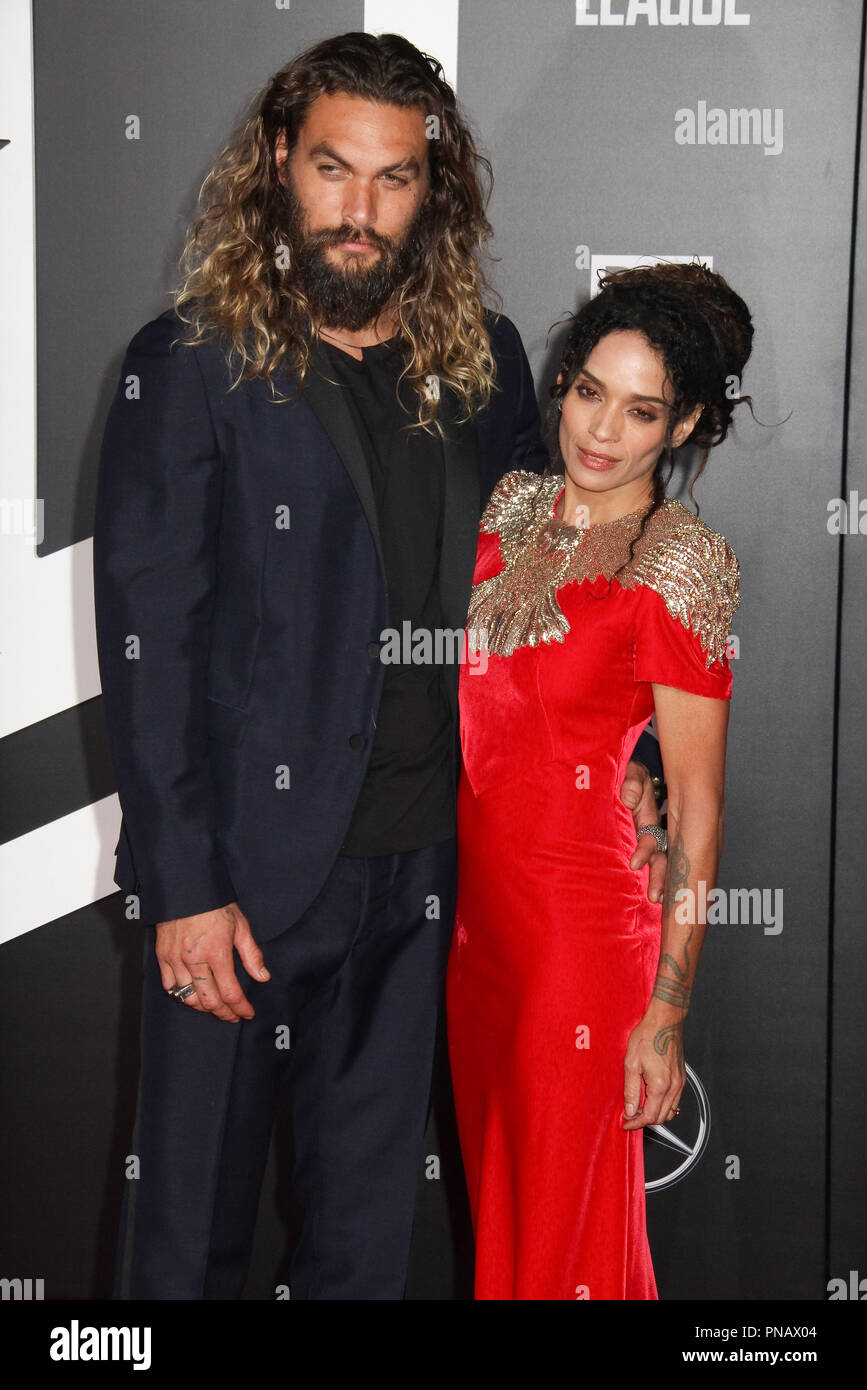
<point>346,232</point>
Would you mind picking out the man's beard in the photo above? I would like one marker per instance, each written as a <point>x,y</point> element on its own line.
<point>352,296</point>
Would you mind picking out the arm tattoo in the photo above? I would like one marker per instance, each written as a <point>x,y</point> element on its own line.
<point>671,991</point>
<point>668,1037</point>
<point>677,877</point>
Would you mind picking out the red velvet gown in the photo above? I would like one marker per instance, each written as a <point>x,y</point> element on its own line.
<point>556,947</point>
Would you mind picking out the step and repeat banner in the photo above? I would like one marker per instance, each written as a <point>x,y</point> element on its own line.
<point>618,131</point>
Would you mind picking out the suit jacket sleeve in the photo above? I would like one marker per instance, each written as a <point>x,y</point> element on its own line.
<point>155,561</point>
<point>646,751</point>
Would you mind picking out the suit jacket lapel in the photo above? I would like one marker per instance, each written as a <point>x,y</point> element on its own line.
<point>334,413</point>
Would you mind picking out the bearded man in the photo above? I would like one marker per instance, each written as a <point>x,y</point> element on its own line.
<point>294,464</point>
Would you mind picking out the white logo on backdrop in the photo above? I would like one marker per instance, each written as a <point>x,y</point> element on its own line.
<point>618,13</point>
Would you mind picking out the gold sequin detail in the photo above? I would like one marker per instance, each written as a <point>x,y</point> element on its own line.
<point>693,569</point>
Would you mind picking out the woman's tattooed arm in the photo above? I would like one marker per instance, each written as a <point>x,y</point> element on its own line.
<point>671,977</point>
<point>692,733</point>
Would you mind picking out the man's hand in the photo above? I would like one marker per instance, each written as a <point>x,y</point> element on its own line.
<point>637,793</point>
<point>199,950</point>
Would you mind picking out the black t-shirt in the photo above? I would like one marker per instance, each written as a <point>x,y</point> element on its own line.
<point>407,800</point>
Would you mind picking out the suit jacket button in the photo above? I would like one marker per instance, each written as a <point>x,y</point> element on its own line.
<point>373,650</point>
<point>357,740</point>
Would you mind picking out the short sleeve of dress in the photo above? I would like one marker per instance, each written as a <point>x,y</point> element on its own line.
<point>689,591</point>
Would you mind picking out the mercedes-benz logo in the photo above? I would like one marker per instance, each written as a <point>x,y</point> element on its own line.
<point>671,1150</point>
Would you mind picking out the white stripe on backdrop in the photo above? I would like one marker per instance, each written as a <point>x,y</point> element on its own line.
<point>432,25</point>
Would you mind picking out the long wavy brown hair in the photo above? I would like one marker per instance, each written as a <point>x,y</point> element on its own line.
<point>234,286</point>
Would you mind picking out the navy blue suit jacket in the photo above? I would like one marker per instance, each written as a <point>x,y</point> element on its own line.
<point>239,586</point>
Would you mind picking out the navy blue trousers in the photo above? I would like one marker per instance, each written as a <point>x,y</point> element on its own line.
<point>357,983</point>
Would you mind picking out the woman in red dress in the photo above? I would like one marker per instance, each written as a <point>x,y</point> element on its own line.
<point>599,601</point>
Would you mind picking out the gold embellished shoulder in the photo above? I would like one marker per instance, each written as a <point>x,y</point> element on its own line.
<point>691,567</point>
<point>515,499</point>
<point>693,570</point>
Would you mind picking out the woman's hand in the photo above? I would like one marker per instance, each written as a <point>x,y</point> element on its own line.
<point>654,1056</point>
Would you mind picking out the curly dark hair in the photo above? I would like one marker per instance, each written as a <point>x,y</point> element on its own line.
<point>231,285</point>
<point>703,332</point>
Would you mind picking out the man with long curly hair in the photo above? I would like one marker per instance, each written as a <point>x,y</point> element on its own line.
<point>292,474</point>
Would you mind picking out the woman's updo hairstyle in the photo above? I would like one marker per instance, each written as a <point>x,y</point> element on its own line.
<point>701,328</point>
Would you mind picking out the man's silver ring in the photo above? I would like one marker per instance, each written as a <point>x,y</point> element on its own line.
<point>658,834</point>
<point>182,992</point>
